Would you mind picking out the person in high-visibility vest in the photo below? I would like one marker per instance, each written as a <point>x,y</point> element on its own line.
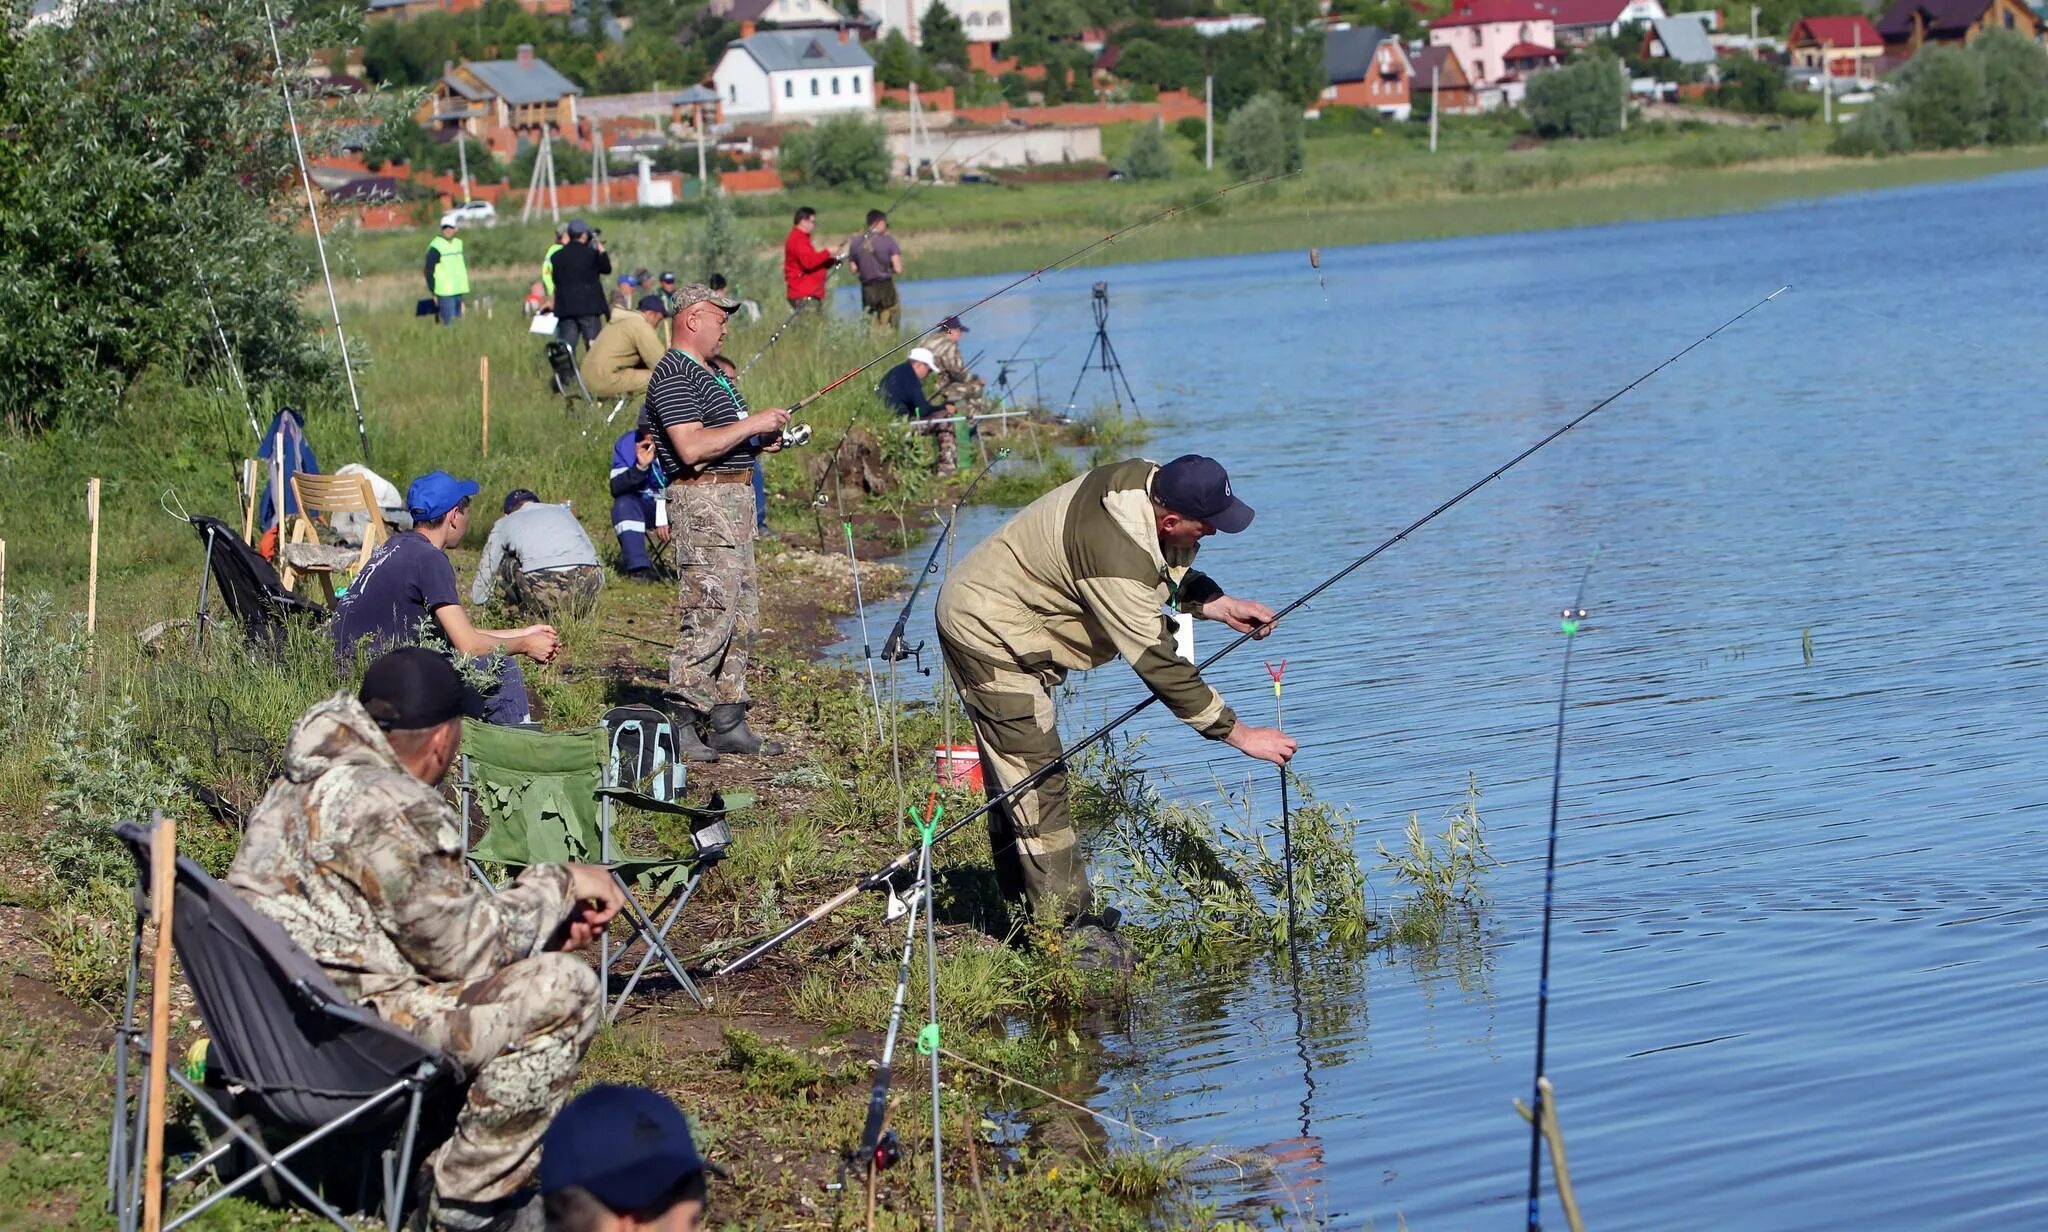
<point>547,261</point>
<point>447,273</point>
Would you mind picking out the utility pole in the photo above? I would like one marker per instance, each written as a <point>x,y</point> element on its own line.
<point>702,186</point>
<point>1208,123</point>
<point>1433,72</point>
<point>1624,95</point>
<point>462,155</point>
<point>1752,29</point>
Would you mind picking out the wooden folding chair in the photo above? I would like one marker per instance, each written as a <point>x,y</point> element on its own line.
<point>318,496</point>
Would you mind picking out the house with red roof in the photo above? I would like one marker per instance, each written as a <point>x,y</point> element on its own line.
<point>1837,46</point>
<point>1580,22</point>
<point>1367,67</point>
<point>1909,25</point>
<point>1482,32</point>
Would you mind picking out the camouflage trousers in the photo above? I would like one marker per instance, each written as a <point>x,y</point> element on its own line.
<point>947,437</point>
<point>1037,854</point>
<point>555,595</point>
<point>964,395</point>
<point>519,1035</point>
<point>712,526</point>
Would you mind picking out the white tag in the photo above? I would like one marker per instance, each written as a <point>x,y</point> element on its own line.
<point>1183,636</point>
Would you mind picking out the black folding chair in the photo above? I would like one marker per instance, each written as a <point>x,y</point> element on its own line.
<point>290,1062</point>
<point>568,380</point>
<point>249,587</point>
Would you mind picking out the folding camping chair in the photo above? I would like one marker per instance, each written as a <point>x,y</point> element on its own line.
<point>288,1055</point>
<point>552,797</point>
<point>569,382</point>
<point>329,494</point>
<point>249,587</point>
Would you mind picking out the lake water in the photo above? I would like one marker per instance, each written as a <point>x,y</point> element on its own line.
<point>1800,967</point>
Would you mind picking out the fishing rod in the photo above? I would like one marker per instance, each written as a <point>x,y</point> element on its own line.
<point>877,1150</point>
<point>1028,781</point>
<point>788,321</point>
<point>1041,271</point>
<point>1286,813</point>
<point>1569,622</point>
<point>893,649</point>
<point>860,606</point>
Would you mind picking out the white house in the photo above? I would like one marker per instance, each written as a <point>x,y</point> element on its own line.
<point>985,21</point>
<point>1582,21</point>
<point>794,75</point>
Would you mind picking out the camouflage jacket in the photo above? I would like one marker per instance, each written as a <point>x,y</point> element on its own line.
<point>952,368</point>
<point>362,864</point>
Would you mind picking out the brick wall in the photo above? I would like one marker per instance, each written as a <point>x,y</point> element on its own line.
<point>1172,105</point>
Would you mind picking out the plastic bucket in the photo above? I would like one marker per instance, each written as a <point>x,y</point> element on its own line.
<point>958,765</point>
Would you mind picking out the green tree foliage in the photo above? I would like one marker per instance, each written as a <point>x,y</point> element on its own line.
<point>147,164</point>
<point>842,150</point>
<point>723,245</point>
<point>1263,137</point>
<point>1879,129</point>
<point>572,163</point>
<point>1942,90</point>
<point>1148,158</point>
<point>896,62</point>
<point>1290,50</point>
<point>1396,17</point>
<point>1755,86</point>
<point>404,141</point>
<point>413,52</point>
<point>1582,99</point>
<point>2015,87</point>
<point>1163,67</point>
<point>942,37</point>
<point>1948,98</point>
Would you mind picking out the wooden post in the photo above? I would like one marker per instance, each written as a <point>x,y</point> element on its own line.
<point>249,506</point>
<point>92,558</point>
<point>1208,123</point>
<point>1434,110</point>
<point>483,378</point>
<point>162,895</point>
<point>3,596</point>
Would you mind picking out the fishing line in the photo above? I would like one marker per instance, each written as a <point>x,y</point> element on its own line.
<point>866,653</point>
<point>319,243</point>
<point>1286,814</point>
<point>786,323</point>
<point>916,183</point>
<point>1569,622</point>
<point>1041,271</point>
<point>1028,781</point>
<point>893,649</point>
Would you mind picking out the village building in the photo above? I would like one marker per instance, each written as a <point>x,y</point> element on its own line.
<point>1836,46</point>
<point>1483,31</point>
<point>1440,68</point>
<point>526,95</point>
<point>1367,67</point>
<point>785,75</point>
<point>1909,25</point>
<point>985,22</point>
<point>1680,39</point>
<point>752,15</point>
<point>1580,22</point>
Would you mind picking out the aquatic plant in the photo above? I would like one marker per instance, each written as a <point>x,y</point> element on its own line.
<point>1444,875</point>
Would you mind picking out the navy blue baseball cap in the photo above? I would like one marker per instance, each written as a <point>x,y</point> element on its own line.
<point>626,1146</point>
<point>520,496</point>
<point>435,493</point>
<point>1197,487</point>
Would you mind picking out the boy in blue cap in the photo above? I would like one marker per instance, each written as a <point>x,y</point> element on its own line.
<point>617,1159</point>
<point>410,579</point>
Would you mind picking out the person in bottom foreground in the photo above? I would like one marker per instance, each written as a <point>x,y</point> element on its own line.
<point>1077,578</point>
<point>619,1159</point>
<point>357,855</point>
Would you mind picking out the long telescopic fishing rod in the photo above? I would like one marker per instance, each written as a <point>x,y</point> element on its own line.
<point>1032,779</point>
<point>1569,622</point>
<point>893,648</point>
<point>1040,272</point>
<point>788,321</point>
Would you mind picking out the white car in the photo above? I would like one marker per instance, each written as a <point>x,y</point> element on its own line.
<point>471,214</point>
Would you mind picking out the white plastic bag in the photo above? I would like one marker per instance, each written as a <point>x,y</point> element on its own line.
<point>543,323</point>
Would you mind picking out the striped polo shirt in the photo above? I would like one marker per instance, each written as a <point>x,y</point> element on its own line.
<point>683,391</point>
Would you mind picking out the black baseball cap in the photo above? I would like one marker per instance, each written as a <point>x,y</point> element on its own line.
<point>653,303</point>
<point>412,689</point>
<point>625,1146</point>
<point>519,496</point>
<point>1197,487</point>
<point>953,323</point>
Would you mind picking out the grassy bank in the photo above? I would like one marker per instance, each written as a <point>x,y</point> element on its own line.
<point>1357,189</point>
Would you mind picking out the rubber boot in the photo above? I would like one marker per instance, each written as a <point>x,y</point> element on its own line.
<point>689,745</point>
<point>730,734</point>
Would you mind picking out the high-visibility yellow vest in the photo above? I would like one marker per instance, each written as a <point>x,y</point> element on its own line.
<point>547,268</point>
<point>451,272</point>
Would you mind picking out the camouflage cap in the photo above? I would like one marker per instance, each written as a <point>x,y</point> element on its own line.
<point>697,292</point>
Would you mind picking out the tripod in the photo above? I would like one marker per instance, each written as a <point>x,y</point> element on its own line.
<point>1102,354</point>
<point>1006,395</point>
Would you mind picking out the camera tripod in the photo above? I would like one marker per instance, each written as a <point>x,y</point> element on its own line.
<point>1102,355</point>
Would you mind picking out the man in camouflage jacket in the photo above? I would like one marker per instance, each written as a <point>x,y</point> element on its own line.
<point>354,851</point>
<point>957,383</point>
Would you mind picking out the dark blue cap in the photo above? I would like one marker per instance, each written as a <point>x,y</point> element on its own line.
<point>953,323</point>
<point>435,493</point>
<point>627,1146</point>
<point>519,496</point>
<point>1197,487</point>
<point>653,303</point>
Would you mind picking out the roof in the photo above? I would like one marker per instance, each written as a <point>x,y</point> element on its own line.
<point>1837,31</point>
<point>1440,59</point>
<point>1943,16</point>
<point>1487,12</point>
<point>786,51</point>
<point>1685,39</point>
<point>536,82</point>
<point>1530,51</point>
<point>694,95</point>
<point>369,188</point>
<point>1586,12</point>
<point>1347,54</point>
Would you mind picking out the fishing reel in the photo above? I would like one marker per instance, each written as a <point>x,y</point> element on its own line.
<point>896,650</point>
<point>796,434</point>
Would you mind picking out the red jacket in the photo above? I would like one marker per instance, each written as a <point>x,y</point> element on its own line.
<point>804,266</point>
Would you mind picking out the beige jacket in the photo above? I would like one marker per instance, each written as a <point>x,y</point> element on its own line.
<point>1078,578</point>
<point>626,342</point>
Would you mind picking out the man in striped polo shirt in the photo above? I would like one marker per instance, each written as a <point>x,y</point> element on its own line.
<point>705,443</point>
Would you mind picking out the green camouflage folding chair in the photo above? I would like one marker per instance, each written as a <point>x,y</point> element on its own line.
<point>552,797</point>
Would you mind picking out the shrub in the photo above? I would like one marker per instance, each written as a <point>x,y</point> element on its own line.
<point>1263,138</point>
<point>1148,158</point>
<point>2015,87</point>
<point>842,150</point>
<point>1582,99</point>
<point>1879,129</point>
<point>1942,92</point>
<point>1755,86</point>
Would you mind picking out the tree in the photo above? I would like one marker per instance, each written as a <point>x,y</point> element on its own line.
<point>572,163</point>
<point>941,36</point>
<point>2015,87</point>
<point>1290,50</point>
<point>1879,129</point>
<point>723,245</point>
<point>1582,99</point>
<point>1142,60</point>
<point>1263,138</point>
<point>1148,158</point>
<point>148,168</point>
<point>1755,86</point>
<point>1942,90</point>
<point>895,61</point>
<point>842,150</point>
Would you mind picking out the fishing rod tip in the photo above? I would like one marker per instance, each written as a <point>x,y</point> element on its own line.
<point>1780,291</point>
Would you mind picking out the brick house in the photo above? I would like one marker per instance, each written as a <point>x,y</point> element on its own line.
<point>1909,25</point>
<point>1365,66</point>
<point>1482,32</point>
<point>1580,22</point>
<point>1838,46</point>
<point>524,94</point>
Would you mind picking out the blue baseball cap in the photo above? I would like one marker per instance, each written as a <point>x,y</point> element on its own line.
<point>1197,487</point>
<point>626,1146</point>
<point>435,493</point>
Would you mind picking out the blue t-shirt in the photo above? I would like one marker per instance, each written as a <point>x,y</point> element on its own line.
<point>404,582</point>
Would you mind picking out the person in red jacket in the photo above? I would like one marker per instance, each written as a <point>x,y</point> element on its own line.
<point>805,266</point>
